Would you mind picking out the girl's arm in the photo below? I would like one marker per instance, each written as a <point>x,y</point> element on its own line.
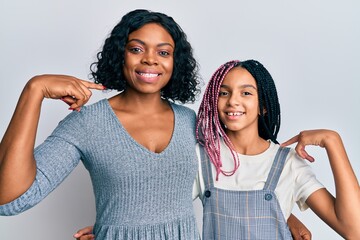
<point>17,163</point>
<point>343,212</point>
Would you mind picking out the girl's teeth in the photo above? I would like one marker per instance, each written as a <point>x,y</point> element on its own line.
<point>234,113</point>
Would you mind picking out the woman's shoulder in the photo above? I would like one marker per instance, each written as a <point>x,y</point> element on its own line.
<point>182,109</point>
<point>95,109</point>
<point>88,112</point>
<point>96,106</point>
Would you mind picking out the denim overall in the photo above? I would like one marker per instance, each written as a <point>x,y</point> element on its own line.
<point>234,215</point>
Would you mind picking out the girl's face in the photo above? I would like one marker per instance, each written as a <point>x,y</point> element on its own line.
<point>238,104</point>
<point>149,61</point>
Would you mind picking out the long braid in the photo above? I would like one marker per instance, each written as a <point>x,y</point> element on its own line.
<point>209,129</point>
<point>269,119</point>
<point>208,126</point>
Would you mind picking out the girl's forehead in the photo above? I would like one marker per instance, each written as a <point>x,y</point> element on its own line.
<point>239,75</point>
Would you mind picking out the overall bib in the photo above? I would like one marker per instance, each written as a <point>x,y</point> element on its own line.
<point>234,215</point>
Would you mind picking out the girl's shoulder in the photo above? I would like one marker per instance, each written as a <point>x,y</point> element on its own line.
<point>295,162</point>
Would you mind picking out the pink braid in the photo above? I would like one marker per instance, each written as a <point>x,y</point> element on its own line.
<point>209,129</point>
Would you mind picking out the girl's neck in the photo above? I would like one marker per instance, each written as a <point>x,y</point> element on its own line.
<point>248,144</point>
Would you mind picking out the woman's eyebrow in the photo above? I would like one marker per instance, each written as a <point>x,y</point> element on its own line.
<point>143,43</point>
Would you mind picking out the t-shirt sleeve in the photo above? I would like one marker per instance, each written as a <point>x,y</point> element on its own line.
<point>197,189</point>
<point>55,158</point>
<point>306,182</point>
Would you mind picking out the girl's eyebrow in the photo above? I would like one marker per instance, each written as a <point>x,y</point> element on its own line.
<point>241,86</point>
<point>143,43</point>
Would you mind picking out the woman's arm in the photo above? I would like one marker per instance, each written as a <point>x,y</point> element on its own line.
<point>17,163</point>
<point>85,233</point>
<point>298,230</point>
<point>343,212</point>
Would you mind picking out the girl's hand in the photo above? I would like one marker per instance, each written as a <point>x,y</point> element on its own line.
<point>73,91</point>
<point>85,233</point>
<point>317,137</point>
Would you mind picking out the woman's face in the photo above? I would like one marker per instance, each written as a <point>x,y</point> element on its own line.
<point>149,59</point>
<point>238,103</point>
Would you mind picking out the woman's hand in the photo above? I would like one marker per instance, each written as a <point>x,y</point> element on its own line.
<point>85,233</point>
<point>73,91</point>
<point>298,230</point>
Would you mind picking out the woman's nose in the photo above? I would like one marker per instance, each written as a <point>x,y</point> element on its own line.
<point>149,58</point>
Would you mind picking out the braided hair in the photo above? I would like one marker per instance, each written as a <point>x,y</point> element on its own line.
<point>209,129</point>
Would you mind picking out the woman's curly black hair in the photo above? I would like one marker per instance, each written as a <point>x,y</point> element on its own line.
<point>184,83</point>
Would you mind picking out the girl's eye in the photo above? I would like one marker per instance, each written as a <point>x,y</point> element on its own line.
<point>246,93</point>
<point>222,94</point>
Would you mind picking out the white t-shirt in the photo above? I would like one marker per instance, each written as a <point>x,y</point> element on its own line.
<point>297,180</point>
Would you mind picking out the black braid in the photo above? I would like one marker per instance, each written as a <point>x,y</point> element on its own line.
<point>269,119</point>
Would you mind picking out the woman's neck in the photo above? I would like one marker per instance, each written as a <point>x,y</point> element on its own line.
<point>141,103</point>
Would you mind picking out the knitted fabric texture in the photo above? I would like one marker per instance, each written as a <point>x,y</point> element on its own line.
<point>139,194</point>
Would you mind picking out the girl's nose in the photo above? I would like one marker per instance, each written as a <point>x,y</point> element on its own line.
<point>233,100</point>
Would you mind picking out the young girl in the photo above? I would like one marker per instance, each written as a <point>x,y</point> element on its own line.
<point>248,182</point>
<point>138,146</point>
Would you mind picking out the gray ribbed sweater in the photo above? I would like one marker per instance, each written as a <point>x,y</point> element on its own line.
<point>139,194</point>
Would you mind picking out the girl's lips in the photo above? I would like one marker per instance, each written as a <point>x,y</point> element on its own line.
<point>234,115</point>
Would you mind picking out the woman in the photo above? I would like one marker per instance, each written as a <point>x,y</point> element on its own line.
<point>138,146</point>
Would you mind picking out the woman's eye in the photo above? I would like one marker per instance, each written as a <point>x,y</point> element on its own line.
<point>135,50</point>
<point>246,93</point>
<point>164,53</point>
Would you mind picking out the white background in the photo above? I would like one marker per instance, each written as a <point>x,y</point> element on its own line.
<point>310,47</point>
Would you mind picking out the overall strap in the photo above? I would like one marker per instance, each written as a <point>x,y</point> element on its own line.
<point>276,168</point>
<point>206,168</point>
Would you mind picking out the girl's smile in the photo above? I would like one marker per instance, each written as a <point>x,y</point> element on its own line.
<point>238,104</point>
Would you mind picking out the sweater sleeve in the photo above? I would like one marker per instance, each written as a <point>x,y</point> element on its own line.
<point>55,158</point>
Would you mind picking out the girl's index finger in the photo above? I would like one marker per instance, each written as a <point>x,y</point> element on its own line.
<point>290,141</point>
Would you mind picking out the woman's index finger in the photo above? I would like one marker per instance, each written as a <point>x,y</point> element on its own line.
<point>92,85</point>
